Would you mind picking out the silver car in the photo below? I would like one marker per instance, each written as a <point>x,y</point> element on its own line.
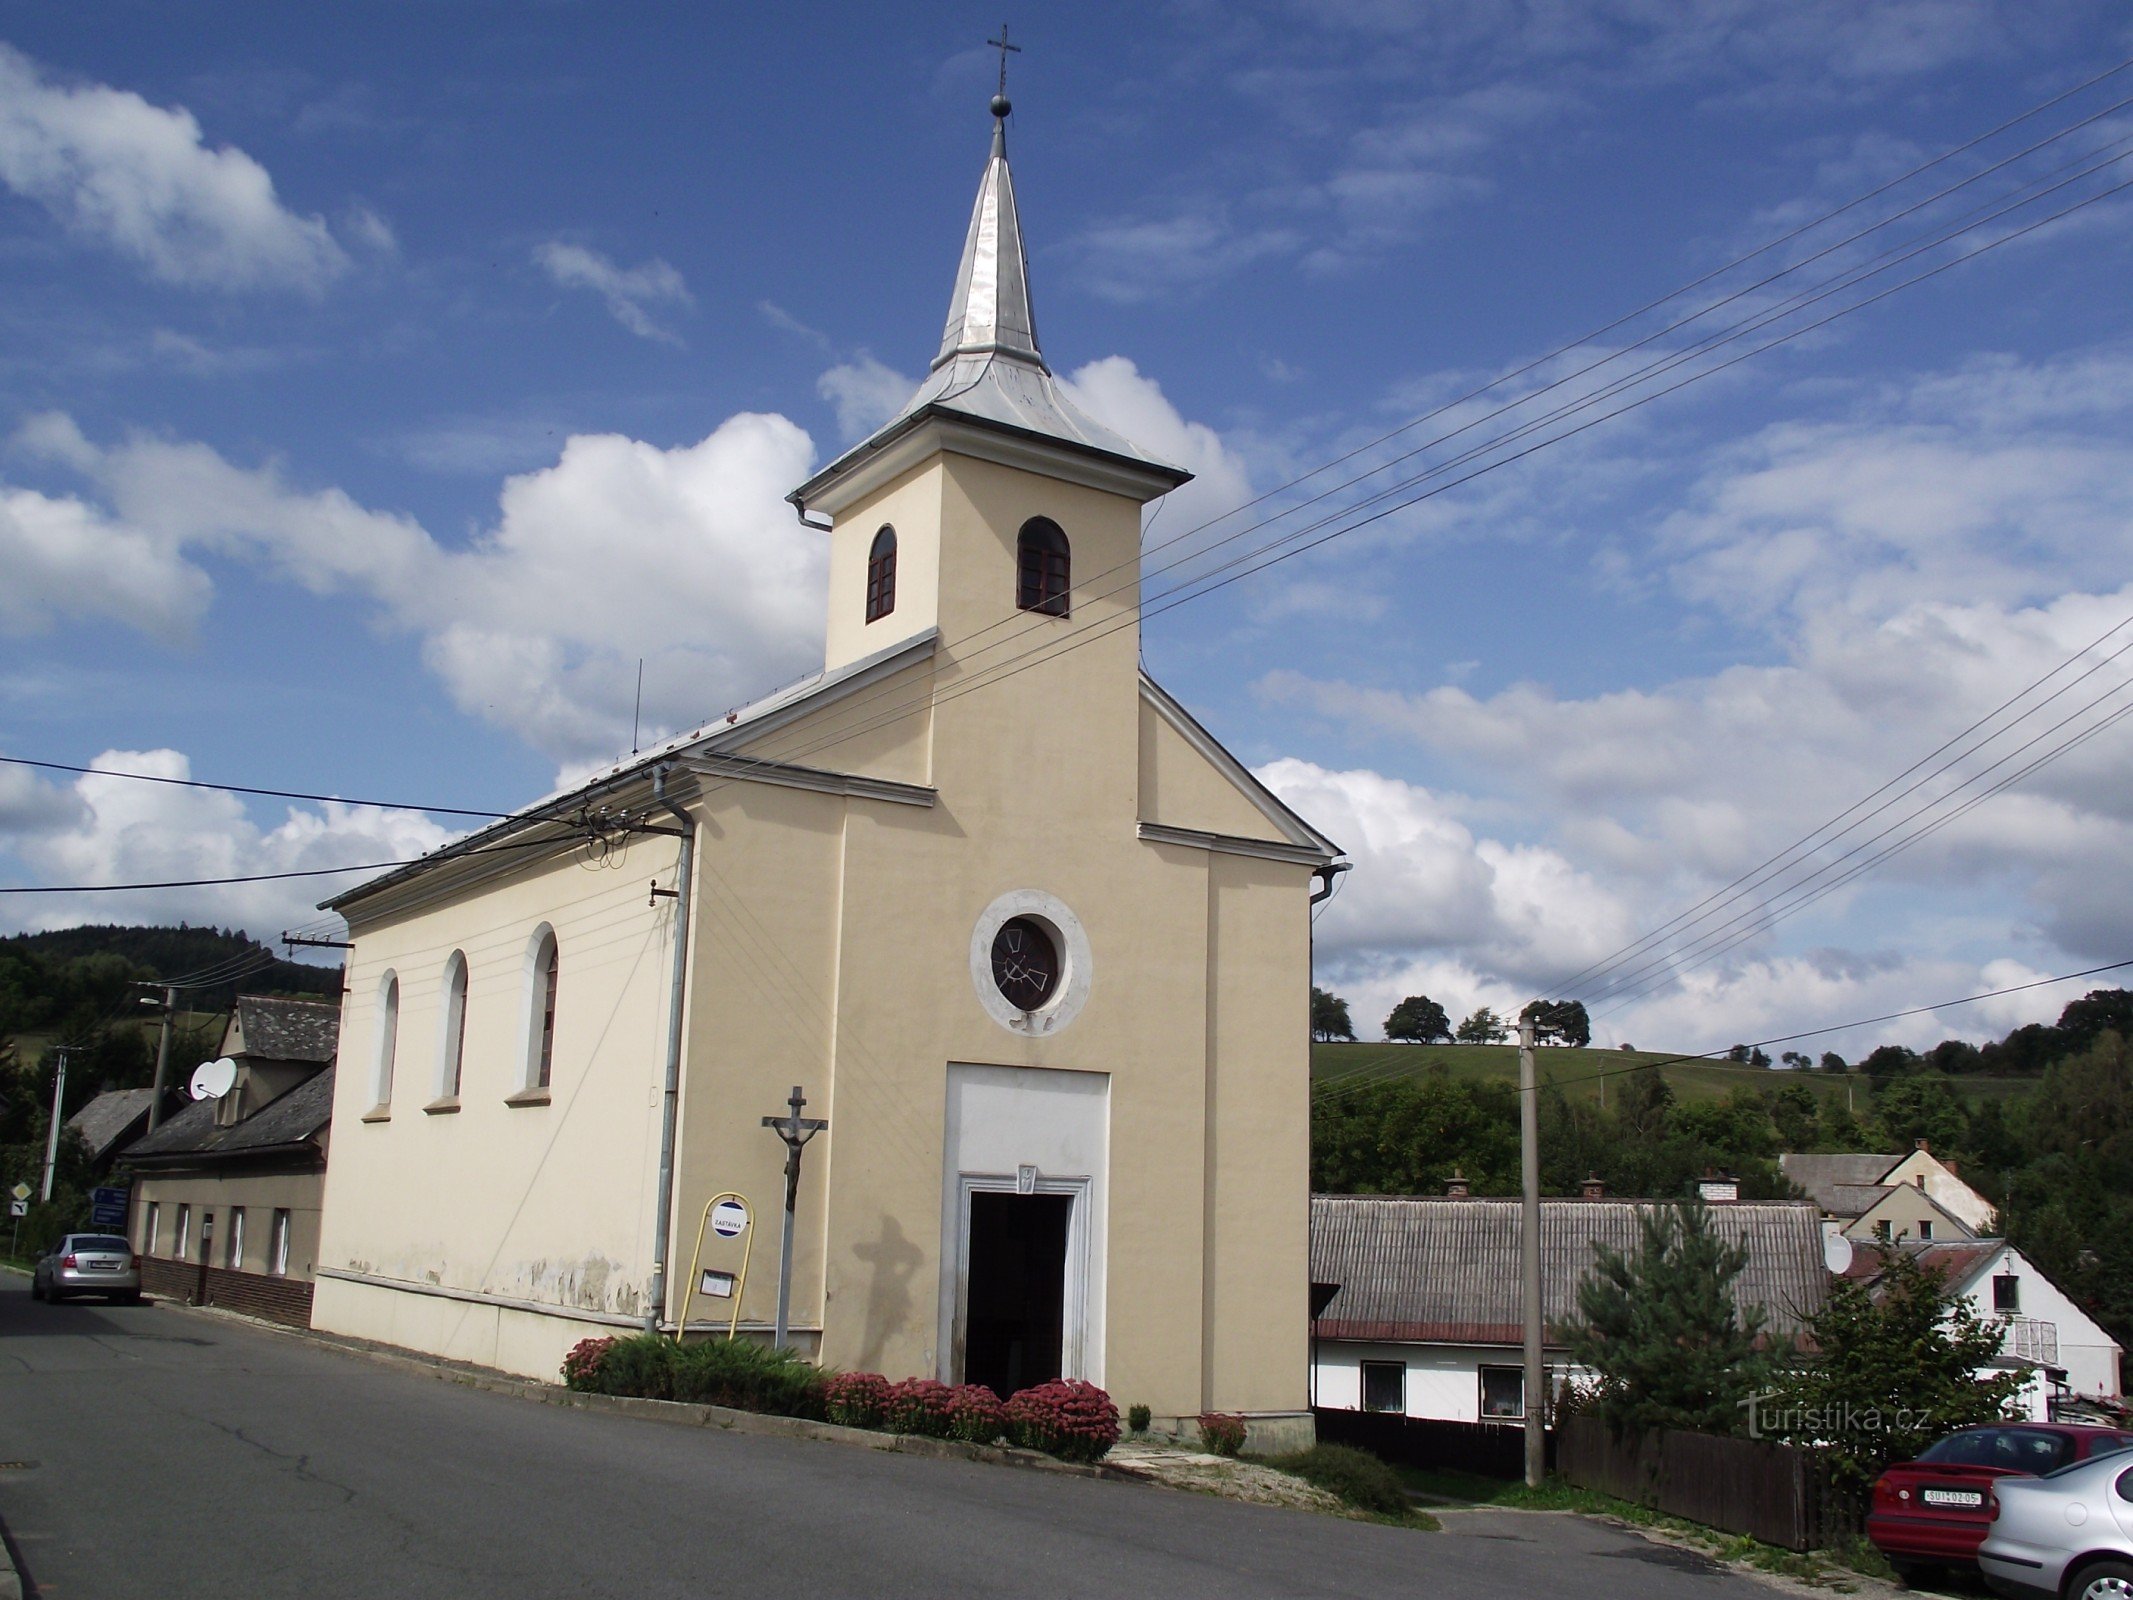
<point>2065,1536</point>
<point>87,1263</point>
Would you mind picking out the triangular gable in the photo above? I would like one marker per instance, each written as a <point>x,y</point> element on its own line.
<point>1191,785</point>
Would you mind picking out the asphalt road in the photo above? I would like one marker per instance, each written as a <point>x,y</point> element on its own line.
<point>152,1451</point>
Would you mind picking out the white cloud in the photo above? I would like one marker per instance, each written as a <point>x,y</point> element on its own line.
<point>1124,399</point>
<point>101,829</point>
<point>865,392</point>
<point>630,293</point>
<point>64,558</point>
<point>141,180</point>
<point>687,557</point>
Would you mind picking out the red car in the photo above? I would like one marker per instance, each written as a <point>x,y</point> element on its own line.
<point>1934,1512</point>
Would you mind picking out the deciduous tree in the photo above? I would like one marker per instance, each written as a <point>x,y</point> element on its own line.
<point>1418,1020</point>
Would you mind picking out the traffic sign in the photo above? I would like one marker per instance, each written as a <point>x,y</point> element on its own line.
<point>21,1191</point>
<point>728,1217</point>
<point>107,1208</point>
<point>18,1208</point>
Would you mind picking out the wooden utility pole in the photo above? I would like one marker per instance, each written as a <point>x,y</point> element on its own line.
<point>1529,1255</point>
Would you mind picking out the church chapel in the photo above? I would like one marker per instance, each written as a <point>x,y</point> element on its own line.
<point>1032,944</point>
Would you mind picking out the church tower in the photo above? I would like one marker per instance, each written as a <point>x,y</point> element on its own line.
<point>939,519</point>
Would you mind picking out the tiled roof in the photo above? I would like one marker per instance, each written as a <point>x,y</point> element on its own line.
<point>1445,1271</point>
<point>107,1119</point>
<point>278,1029</point>
<point>291,1119</point>
<point>1842,1185</point>
<point>1956,1261</point>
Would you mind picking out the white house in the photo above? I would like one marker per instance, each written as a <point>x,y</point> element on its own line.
<point>2061,1348</point>
<point>1424,1317</point>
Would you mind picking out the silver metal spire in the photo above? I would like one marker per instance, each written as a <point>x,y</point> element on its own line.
<point>990,312</point>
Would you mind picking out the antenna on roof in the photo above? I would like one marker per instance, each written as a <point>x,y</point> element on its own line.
<point>637,715</point>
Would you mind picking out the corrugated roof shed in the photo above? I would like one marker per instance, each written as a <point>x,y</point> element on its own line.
<point>1445,1271</point>
<point>293,1119</point>
<point>1842,1185</point>
<point>110,1117</point>
<point>280,1029</point>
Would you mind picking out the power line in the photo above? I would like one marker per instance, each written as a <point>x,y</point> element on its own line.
<point>275,877</point>
<point>238,788</point>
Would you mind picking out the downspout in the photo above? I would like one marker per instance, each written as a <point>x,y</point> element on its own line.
<point>670,1106</point>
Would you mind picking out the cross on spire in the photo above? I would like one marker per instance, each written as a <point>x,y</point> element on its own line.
<point>1000,44</point>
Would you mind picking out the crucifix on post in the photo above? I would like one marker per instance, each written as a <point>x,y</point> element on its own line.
<point>795,1130</point>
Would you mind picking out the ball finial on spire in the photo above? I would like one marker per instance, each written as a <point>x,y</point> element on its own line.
<point>1001,105</point>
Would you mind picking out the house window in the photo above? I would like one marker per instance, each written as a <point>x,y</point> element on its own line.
<point>2006,1292</point>
<point>1503,1392</point>
<point>455,1026</point>
<point>235,1257</point>
<point>1925,1229</point>
<point>881,575</point>
<point>388,1039</point>
<point>1385,1386</point>
<point>184,1240</point>
<point>543,964</point>
<point>1044,568</point>
<point>151,1223</point>
<point>1881,1230</point>
<point>278,1246</point>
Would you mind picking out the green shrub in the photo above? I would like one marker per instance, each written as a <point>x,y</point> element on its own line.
<point>746,1377</point>
<point>1359,1478</point>
<point>1222,1434</point>
<point>1138,1418</point>
<point>641,1365</point>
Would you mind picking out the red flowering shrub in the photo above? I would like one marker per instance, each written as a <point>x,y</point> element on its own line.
<point>581,1368</point>
<point>918,1405</point>
<point>1222,1433</point>
<point>975,1413</point>
<point>1072,1420</point>
<point>857,1399</point>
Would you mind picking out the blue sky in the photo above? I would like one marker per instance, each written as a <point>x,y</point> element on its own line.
<point>377,384</point>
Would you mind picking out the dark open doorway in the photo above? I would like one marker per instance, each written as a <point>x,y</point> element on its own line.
<point>1016,1307</point>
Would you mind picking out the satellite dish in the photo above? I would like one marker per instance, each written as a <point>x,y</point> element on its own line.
<point>1836,1251</point>
<point>214,1079</point>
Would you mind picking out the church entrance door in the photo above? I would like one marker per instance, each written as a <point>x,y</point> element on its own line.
<point>1015,1314</point>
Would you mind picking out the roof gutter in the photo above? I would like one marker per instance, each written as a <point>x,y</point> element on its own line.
<point>670,1104</point>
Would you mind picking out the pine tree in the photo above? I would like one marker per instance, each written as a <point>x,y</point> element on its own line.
<point>1662,1329</point>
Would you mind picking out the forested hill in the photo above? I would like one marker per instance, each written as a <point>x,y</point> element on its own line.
<point>49,980</point>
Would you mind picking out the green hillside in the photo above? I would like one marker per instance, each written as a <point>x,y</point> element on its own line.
<point>1593,1074</point>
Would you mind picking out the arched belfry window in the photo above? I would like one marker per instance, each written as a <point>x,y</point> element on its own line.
<point>881,574</point>
<point>1044,568</point>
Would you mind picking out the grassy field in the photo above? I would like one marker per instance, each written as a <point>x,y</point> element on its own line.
<point>1591,1073</point>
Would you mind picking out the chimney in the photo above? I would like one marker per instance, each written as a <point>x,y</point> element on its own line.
<point>1920,1144</point>
<point>1592,1188</point>
<point>1458,1188</point>
<point>1717,1189</point>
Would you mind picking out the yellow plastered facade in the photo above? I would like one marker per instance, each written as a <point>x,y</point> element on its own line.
<point>831,946</point>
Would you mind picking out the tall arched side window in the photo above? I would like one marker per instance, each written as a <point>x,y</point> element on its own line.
<point>542,966</point>
<point>388,1039</point>
<point>1043,568</point>
<point>881,575</point>
<point>453,1041</point>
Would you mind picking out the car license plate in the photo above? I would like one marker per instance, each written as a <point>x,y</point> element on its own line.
<point>1954,1497</point>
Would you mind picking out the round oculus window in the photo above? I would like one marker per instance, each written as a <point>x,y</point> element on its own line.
<point>1025,963</point>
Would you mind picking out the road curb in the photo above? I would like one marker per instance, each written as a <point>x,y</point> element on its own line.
<point>723,1418</point>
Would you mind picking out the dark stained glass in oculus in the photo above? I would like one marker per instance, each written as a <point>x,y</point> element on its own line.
<point>1025,963</point>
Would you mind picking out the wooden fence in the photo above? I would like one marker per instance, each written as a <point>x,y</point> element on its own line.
<point>1494,1449</point>
<point>1778,1493</point>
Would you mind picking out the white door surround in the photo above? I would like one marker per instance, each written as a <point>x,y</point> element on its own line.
<point>1028,1130</point>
